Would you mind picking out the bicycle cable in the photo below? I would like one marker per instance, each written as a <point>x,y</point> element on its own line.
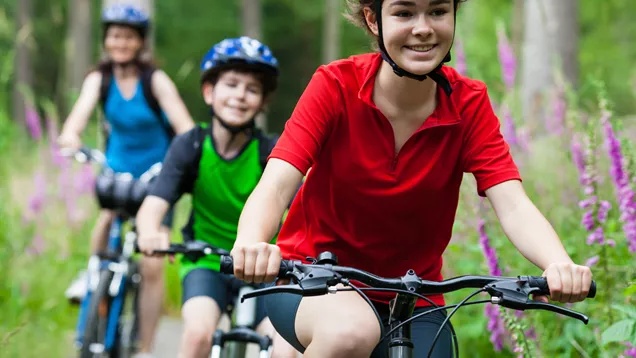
<point>398,290</point>
<point>439,331</point>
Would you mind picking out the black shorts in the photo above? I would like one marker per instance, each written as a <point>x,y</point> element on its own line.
<point>222,288</point>
<point>282,309</point>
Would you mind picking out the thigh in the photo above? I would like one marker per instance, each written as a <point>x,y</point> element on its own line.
<point>202,282</point>
<point>423,331</point>
<point>300,320</point>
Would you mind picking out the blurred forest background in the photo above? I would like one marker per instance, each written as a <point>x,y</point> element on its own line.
<point>561,77</point>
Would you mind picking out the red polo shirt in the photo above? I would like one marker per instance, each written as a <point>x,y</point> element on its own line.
<point>377,211</point>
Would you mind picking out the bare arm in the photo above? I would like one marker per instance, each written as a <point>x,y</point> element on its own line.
<point>84,106</point>
<point>534,237</point>
<point>150,214</point>
<point>525,226</point>
<point>171,103</point>
<point>264,208</point>
<point>255,260</point>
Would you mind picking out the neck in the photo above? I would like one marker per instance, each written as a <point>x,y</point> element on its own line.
<point>405,93</point>
<point>223,139</point>
<point>129,70</point>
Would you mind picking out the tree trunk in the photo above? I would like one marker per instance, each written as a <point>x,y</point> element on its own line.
<point>23,68</point>
<point>251,18</point>
<point>331,34</point>
<point>79,51</point>
<point>550,43</point>
<point>251,26</point>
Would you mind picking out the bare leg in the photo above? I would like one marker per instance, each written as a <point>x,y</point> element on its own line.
<point>200,317</point>
<point>99,235</point>
<point>151,298</point>
<point>280,347</point>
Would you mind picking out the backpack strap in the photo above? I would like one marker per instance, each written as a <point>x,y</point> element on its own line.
<point>266,144</point>
<point>104,87</point>
<point>201,133</point>
<point>146,87</point>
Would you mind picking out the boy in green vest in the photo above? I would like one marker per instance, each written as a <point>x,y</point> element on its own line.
<point>219,165</point>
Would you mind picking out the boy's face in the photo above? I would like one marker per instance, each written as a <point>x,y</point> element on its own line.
<point>236,97</point>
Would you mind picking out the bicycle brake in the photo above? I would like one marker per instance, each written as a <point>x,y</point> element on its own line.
<point>510,294</point>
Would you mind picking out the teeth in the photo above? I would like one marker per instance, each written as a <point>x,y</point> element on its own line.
<point>421,48</point>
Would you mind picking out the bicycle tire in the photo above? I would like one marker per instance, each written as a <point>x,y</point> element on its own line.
<point>128,329</point>
<point>95,319</point>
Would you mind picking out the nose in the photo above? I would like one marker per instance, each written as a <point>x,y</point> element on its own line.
<point>241,92</point>
<point>421,26</point>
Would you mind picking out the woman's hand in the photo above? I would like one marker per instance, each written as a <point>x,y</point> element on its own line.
<point>568,282</point>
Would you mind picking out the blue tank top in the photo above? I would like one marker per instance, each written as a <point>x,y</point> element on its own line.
<point>137,139</point>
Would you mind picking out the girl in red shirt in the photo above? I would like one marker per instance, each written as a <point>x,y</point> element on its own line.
<point>388,137</point>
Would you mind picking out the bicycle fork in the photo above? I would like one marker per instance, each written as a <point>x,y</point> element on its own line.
<point>241,334</point>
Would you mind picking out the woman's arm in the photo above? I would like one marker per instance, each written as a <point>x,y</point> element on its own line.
<point>171,103</point>
<point>531,233</point>
<point>255,260</point>
<point>81,112</point>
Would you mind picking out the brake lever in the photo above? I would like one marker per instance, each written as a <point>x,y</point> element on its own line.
<point>309,281</point>
<point>535,305</point>
<point>511,294</point>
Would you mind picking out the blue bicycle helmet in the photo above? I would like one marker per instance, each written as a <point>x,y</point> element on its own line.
<point>127,15</point>
<point>241,52</point>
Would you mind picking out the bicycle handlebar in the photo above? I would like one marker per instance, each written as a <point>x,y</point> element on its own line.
<point>194,250</point>
<point>319,278</point>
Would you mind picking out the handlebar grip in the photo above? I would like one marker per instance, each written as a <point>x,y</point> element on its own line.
<point>227,266</point>
<point>542,284</point>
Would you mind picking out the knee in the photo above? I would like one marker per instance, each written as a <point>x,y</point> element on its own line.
<point>346,340</point>
<point>152,269</point>
<point>198,337</point>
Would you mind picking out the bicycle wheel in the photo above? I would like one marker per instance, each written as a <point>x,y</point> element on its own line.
<point>128,326</point>
<point>97,320</point>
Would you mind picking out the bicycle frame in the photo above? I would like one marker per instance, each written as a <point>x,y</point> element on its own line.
<point>240,332</point>
<point>120,266</point>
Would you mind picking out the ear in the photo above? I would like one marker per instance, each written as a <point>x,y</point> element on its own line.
<point>207,90</point>
<point>370,18</point>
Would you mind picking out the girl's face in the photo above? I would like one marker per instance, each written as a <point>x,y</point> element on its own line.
<point>122,43</point>
<point>417,34</point>
<point>236,97</point>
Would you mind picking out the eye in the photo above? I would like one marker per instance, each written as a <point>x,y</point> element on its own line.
<point>402,13</point>
<point>439,12</point>
<point>254,89</point>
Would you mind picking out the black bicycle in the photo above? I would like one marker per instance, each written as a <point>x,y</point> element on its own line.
<point>321,276</point>
<point>242,327</point>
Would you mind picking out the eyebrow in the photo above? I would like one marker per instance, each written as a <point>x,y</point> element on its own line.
<point>412,3</point>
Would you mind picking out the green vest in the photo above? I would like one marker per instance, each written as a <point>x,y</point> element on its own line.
<point>218,196</point>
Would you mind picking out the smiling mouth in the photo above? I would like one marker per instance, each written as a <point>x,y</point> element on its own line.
<point>421,48</point>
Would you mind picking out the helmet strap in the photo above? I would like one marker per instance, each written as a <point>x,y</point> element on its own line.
<point>435,75</point>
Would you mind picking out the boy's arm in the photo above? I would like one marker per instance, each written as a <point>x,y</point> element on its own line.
<point>175,179</point>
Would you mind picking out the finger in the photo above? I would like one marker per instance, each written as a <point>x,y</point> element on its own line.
<point>541,298</point>
<point>567,283</point>
<point>577,284</point>
<point>249,266</point>
<point>554,282</point>
<point>238,258</point>
<point>261,264</point>
<point>171,258</point>
<point>273,265</point>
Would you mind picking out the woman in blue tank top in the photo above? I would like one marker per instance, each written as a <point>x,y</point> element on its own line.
<point>143,111</point>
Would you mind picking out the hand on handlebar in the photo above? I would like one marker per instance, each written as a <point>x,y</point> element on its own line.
<point>150,241</point>
<point>256,263</point>
<point>568,282</point>
<point>69,141</point>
